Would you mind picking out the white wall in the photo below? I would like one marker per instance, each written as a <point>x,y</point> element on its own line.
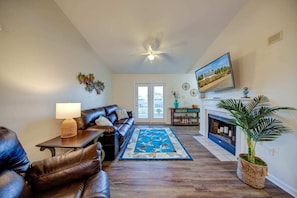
<point>41,54</point>
<point>124,86</point>
<point>266,69</point>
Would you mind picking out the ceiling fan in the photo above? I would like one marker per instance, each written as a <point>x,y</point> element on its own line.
<point>150,53</point>
<point>152,47</point>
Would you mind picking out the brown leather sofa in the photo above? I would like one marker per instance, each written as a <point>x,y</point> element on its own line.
<point>114,137</point>
<point>75,174</point>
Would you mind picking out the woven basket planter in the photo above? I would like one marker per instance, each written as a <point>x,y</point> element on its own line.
<point>251,174</point>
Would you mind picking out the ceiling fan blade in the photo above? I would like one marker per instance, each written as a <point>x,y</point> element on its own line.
<point>145,53</point>
<point>158,40</point>
<point>168,57</point>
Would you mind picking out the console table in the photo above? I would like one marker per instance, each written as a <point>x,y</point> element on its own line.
<point>83,139</point>
<point>185,116</point>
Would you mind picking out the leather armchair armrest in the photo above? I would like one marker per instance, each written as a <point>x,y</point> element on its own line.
<point>11,184</point>
<point>55,171</point>
<point>97,186</point>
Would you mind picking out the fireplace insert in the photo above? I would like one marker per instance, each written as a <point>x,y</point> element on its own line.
<point>222,132</point>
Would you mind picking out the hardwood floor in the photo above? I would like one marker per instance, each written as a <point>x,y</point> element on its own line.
<point>205,176</point>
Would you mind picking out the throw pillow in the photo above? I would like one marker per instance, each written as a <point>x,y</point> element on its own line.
<point>103,121</point>
<point>122,114</point>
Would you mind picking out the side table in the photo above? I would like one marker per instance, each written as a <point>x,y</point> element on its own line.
<point>83,138</point>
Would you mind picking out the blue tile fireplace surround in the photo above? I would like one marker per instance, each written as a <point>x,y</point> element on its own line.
<point>222,133</point>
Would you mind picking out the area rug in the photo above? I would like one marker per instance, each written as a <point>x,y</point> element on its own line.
<point>154,144</point>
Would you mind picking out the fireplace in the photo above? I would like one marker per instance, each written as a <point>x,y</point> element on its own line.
<point>222,133</point>
<point>219,118</point>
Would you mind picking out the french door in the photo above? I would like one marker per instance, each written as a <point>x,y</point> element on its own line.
<point>150,104</point>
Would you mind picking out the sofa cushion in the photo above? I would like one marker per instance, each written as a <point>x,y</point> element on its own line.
<point>111,109</point>
<point>120,122</point>
<point>88,117</point>
<point>122,114</point>
<point>124,130</point>
<point>103,121</point>
<point>112,117</point>
<point>73,189</point>
<point>93,114</point>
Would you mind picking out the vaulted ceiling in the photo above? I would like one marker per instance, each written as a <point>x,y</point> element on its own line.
<point>178,32</point>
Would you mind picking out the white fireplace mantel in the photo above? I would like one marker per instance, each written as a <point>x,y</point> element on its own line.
<point>209,106</point>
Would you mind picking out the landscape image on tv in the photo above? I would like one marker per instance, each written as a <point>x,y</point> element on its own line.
<point>216,75</point>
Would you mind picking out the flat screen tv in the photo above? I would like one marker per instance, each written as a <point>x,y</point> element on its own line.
<point>216,75</point>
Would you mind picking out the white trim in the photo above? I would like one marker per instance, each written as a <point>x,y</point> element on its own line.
<point>289,189</point>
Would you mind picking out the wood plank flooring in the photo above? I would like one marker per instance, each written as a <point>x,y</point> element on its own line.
<point>205,176</point>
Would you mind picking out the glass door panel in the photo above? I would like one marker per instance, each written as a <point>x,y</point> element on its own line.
<point>142,102</point>
<point>149,103</point>
<point>158,102</point>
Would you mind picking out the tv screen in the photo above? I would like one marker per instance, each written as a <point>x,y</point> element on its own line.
<point>216,75</point>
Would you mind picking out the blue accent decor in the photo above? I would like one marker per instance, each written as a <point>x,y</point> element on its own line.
<point>224,144</point>
<point>154,144</point>
<point>176,104</point>
<point>155,140</point>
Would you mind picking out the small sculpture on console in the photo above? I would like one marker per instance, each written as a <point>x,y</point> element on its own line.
<point>245,92</point>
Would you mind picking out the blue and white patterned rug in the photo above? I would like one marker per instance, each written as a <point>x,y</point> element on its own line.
<point>154,144</point>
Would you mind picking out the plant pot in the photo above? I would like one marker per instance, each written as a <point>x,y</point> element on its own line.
<point>251,174</point>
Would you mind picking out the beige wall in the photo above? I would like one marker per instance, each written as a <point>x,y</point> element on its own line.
<point>124,86</point>
<point>41,54</point>
<point>266,69</point>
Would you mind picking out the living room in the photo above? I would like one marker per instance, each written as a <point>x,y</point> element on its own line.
<point>42,53</point>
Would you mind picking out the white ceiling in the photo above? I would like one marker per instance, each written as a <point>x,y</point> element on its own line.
<point>120,30</point>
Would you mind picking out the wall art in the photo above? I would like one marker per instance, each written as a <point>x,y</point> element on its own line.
<point>194,92</point>
<point>186,86</point>
<point>91,84</point>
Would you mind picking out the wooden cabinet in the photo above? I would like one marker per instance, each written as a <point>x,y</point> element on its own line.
<point>185,116</point>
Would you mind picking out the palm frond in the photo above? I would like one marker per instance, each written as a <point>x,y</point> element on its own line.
<point>256,118</point>
<point>257,102</point>
<point>269,129</point>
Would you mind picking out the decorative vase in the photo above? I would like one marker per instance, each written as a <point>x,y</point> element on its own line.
<point>176,104</point>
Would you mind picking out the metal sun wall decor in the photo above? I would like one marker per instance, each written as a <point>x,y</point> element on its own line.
<point>88,80</point>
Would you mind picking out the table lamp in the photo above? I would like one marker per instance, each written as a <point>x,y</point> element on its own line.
<point>68,111</point>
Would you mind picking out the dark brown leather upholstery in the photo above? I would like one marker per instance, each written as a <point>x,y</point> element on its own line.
<point>116,136</point>
<point>12,154</point>
<point>75,174</point>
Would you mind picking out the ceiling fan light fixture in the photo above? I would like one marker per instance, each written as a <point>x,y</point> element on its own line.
<point>151,57</point>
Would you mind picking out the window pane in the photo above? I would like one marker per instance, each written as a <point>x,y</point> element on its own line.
<point>142,102</point>
<point>158,103</point>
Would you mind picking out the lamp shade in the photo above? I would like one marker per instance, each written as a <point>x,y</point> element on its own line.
<point>68,110</point>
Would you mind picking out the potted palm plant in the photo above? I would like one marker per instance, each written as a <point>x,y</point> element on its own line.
<point>257,120</point>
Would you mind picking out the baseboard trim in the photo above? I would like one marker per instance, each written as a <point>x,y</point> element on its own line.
<point>282,185</point>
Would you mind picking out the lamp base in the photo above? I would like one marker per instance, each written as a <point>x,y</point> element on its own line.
<point>68,128</point>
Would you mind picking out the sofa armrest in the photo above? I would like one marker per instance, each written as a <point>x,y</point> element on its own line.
<point>55,171</point>
<point>97,186</point>
<point>107,129</point>
<point>130,114</point>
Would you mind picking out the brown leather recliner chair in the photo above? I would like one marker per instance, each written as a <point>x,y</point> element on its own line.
<point>75,174</point>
